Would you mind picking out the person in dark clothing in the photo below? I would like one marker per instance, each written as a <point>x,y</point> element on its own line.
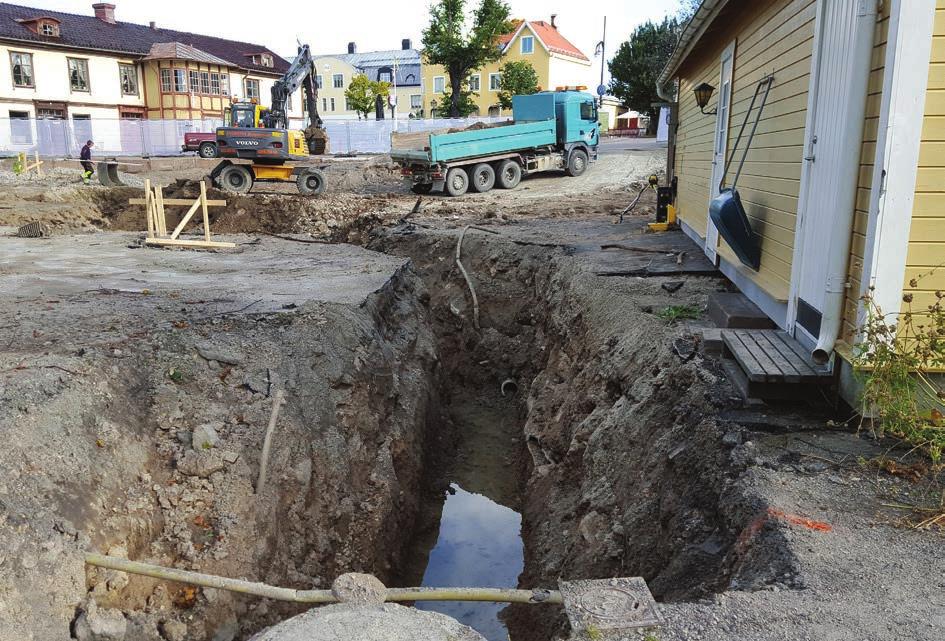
<point>86,157</point>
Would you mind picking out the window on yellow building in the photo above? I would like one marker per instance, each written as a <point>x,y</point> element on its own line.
<point>180,81</point>
<point>528,44</point>
<point>194,81</point>
<point>439,84</point>
<point>474,82</point>
<point>166,80</point>
<point>495,81</point>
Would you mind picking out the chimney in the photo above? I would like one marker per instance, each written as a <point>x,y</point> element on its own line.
<point>405,44</point>
<point>152,25</point>
<point>553,17</point>
<point>104,12</point>
<point>352,48</point>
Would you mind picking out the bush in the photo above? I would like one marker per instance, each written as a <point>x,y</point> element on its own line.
<point>894,360</point>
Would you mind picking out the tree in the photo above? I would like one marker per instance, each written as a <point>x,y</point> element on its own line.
<point>638,63</point>
<point>362,94</point>
<point>519,78</point>
<point>448,43</point>
<point>465,105</point>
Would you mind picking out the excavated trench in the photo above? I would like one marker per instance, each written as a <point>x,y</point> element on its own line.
<point>563,440</point>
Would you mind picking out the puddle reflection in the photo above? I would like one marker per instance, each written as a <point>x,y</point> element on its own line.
<point>479,545</point>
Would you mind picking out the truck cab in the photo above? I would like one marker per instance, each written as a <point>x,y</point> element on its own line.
<point>576,113</point>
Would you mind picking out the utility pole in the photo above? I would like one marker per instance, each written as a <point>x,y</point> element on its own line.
<point>599,50</point>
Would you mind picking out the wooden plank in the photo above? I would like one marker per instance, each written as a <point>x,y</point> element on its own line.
<point>203,207</point>
<point>176,242</point>
<point>178,202</point>
<point>746,360</point>
<point>796,347</point>
<point>772,372</point>
<point>787,367</point>
<point>806,372</point>
<point>186,219</point>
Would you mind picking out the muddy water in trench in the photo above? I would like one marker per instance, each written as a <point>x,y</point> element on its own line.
<point>478,539</point>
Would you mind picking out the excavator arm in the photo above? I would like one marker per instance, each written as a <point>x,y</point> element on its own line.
<point>301,73</point>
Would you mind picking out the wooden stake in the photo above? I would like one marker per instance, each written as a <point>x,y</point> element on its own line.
<point>39,167</point>
<point>206,214</point>
<point>149,214</point>
<point>162,215</point>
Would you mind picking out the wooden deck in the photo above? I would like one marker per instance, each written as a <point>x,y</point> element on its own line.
<point>772,364</point>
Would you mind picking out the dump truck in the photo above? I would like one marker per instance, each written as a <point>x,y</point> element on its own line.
<point>551,130</point>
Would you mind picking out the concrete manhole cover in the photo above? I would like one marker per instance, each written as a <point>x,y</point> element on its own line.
<point>609,604</point>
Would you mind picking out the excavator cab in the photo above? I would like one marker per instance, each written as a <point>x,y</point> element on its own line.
<point>245,114</point>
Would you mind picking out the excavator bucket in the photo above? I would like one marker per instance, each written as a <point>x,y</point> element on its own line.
<point>108,174</point>
<point>317,140</point>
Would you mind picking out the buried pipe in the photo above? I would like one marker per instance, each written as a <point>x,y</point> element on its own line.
<point>496,595</point>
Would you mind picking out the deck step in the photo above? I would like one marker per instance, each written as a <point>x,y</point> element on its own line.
<point>774,363</point>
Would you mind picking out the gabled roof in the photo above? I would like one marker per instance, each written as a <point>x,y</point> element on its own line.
<point>549,37</point>
<point>180,51</point>
<point>370,62</point>
<point>88,32</point>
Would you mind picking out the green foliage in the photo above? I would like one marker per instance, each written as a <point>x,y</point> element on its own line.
<point>176,375</point>
<point>18,165</point>
<point>674,313</point>
<point>464,106</point>
<point>593,632</point>
<point>893,359</point>
<point>519,78</point>
<point>638,63</point>
<point>448,42</point>
<point>362,94</point>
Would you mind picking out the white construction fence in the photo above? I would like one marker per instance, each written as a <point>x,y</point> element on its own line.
<point>138,137</point>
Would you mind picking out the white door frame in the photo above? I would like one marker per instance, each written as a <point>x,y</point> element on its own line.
<point>720,145</point>
<point>797,256</point>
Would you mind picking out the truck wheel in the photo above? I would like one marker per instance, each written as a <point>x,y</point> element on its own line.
<point>457,181</point>
<point>422,188</point>
<point>236,178</point>
<point>311,182</point>
<point>482,178</point>
<point>207,150</point>
<point>577,162</point>
<point>508,174</point>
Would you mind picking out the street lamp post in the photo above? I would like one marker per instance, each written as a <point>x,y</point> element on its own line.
<point>599,51</point>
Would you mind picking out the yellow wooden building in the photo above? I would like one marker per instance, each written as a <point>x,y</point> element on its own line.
<point>556,60</point>
<point>844,181</point>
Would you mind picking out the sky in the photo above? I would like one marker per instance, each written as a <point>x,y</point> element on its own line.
<point>328,26</point>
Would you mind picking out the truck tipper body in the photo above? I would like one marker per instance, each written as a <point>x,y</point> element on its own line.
<point>551,130</point>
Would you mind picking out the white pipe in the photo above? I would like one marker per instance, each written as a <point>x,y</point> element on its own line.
<point>841,231</point>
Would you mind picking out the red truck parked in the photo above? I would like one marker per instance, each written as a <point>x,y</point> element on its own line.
<point>205,144</point>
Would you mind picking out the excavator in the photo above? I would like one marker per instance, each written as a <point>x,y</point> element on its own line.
<point>258,146</point>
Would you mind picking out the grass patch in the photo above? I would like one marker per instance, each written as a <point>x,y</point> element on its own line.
<point>675,313</point>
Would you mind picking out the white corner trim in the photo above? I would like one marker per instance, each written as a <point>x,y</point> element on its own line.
<point>892,191</point>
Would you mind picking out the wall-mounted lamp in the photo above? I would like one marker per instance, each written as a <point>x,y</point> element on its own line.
<point>703,93</point>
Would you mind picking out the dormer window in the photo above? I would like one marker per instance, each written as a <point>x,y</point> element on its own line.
<point>45,26</point>
<point>266,60</point>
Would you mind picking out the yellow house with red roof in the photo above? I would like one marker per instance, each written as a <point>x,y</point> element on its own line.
<point>556,60</point>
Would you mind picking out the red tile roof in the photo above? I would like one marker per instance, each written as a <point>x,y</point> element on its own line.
<point>550,36</point>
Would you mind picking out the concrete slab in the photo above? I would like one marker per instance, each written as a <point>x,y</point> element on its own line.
<point>263,274</point>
